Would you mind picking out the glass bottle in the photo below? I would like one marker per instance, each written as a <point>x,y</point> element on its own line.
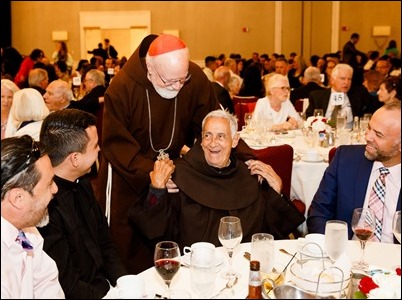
<point>254,281</point>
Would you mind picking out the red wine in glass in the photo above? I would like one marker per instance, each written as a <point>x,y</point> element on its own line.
<point>167,268</point>
<point>167,262</point>
<point>363,224</point>
<point>363,234</point>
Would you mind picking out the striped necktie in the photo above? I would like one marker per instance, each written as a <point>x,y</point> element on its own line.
<point>376,202</point>
<point>23,241</point>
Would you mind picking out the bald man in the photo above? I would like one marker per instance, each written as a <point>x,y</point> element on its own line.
<point>153,107</point>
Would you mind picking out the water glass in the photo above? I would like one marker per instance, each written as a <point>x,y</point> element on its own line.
<point>336,238</point>
<point>202,271</point>
<point>263,250</point>
<point>318,112</point>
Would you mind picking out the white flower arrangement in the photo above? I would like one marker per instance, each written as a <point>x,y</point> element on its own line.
<point>389,287</point>
<point>318,123</point>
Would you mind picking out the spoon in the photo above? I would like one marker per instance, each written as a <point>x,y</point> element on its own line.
<point>231,282</point>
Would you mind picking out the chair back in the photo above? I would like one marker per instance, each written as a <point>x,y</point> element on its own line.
<point>299,105</point>
<point>280,158</point>
<point>331,154</point>
<point>243,105</point>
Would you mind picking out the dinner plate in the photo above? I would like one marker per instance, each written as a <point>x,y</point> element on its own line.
<point>219,258</point>
<point>317,159</point>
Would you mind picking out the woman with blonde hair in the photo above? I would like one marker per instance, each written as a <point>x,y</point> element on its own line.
<point>27,112</point>
<point>277,106</point>
<point>8,89</point>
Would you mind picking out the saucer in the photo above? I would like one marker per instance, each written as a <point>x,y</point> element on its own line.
<point>219,259</point>
<point>308,159</point>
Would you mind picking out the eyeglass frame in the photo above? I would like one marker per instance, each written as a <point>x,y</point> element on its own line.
<point>283,88</point>
<point>172,82</point>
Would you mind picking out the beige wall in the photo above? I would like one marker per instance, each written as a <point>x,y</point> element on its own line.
<point>214,27</point>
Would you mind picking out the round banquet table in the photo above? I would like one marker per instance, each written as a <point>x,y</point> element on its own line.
<point>378,255</point>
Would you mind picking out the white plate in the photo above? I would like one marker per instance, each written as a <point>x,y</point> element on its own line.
<point>318,159</point>
<point>219,258</point>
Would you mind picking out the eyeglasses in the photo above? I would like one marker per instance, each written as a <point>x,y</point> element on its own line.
<point>172,82</point>
<point>32,157</point>
<point>284,88</point>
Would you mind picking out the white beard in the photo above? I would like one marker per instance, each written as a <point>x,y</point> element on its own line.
<point>165,93</point>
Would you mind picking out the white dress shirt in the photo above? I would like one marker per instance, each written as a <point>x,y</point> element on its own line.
<point>392,190</point>
<point>27,275</point>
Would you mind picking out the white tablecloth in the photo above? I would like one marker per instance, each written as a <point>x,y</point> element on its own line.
<point>377,254</point>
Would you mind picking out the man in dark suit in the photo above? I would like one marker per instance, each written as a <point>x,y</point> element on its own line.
<point>351,100</point>
<point>311,81</point>
<point>77,236</point>
<point>349,179</point>
<point>222,77</point>
<point>350,53</point>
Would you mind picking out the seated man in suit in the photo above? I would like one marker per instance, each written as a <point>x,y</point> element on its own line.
<point>342,96</point>
<point>77,236</point>
<point>213,183</point>
<point>311,81</point>
<point>222,77</point>
<point>348,181</point>
<point>59,96</point>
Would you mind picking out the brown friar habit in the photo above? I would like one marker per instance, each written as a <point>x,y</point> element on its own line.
<point>126,143</point>
<point>207,194</point>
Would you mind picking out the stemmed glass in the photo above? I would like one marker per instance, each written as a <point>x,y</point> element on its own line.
<point>230,234</point>
<point>363,225</point>
<point>167,262</point>
<point>336,237</point>
<point>396,225</point>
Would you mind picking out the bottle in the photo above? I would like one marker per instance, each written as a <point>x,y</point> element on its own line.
<point>254,281</point>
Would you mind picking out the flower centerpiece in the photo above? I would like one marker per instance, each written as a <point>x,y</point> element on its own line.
<point>380,286</point>
<point>318,124</point>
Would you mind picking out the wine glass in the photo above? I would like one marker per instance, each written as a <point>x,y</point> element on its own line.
<point>230,234</point>
<point>336,237</point>
<point>167,262</point>
<point>396,225</point>
<point>363,225</point>
<point>248,116</point>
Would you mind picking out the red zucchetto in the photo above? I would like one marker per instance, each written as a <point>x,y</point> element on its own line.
<point>165,43</point>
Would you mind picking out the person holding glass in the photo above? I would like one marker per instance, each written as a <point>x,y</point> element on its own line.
<point>277,106</point>
<point>355,169</point>
<point>214,183</point>
<point>342,96</point>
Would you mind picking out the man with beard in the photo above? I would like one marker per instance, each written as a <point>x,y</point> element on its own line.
<point>153,108</point>
<point>27,187</point>
<point>348,181</point>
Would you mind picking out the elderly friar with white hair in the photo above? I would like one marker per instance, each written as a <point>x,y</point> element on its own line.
<point>276,106</point>
<point>213,183</point>
<point>153,109</point>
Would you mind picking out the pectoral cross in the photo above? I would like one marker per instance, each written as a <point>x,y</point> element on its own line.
<point>162,155</point>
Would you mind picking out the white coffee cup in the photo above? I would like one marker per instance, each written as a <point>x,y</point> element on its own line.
<point>187,250</point>
<point>263,250</point>
<point>317,239</point>
<point>312,154</point>
<point>130,287</point>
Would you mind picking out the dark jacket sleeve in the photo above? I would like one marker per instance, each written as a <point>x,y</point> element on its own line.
<point>282,216</point>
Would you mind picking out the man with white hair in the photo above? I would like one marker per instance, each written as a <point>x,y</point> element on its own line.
<point>311,81</point>
<point>153,107</point>
<point>59,96</point>
<point>349,100</point>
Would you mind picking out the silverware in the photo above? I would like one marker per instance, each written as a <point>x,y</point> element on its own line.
<point>231,282</point>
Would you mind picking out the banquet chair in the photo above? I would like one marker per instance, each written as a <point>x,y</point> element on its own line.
<point>331,154</point>
<point>243,104</point>
<point>299,105</point>
<point>280,158</point>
